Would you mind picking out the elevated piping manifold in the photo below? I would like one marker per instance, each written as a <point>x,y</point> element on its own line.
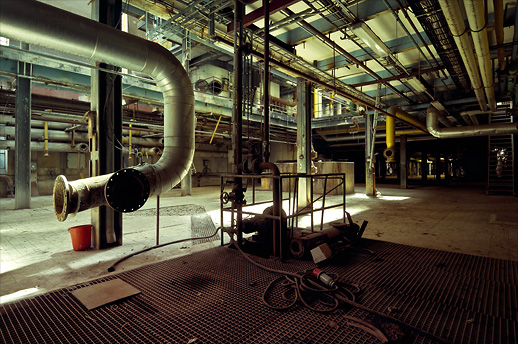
<point>128,189</point>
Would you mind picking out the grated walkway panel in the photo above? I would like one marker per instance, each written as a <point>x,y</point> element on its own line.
<point>213,296</point>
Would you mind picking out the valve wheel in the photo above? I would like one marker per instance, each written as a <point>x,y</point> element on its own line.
<point>224,198</point>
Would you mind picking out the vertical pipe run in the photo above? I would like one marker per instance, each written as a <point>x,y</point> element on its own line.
<point>237,115</point>
<point>46,137</point>
<point>266,133</point>
<point>276,188</point>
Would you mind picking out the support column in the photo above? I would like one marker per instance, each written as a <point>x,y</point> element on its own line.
<point>438,168</point>
<point>106,145</point>
<point>403,174</point>
<point>304,140</point>
<point>371,122</point>
<point>186,183</point>
<point>22,181</point>
<point>424,167</point>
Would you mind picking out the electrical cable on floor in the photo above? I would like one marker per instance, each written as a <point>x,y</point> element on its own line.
<point>338,292</point>
<point>112,267</point>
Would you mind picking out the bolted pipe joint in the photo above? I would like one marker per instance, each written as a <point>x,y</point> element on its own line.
<point>127,190</point>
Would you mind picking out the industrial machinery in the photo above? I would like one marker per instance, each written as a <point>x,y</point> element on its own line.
<point>285,228</point>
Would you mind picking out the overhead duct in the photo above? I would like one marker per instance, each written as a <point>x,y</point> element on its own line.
<point>432,123</point>
<point>477,22</point>
<point>453,15</point>
<point>128,189</point>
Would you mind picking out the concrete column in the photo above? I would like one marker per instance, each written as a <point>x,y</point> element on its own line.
<point>403,174</point>
<point>106,150</point>
<point>303,139</point>
<point>22,180</point>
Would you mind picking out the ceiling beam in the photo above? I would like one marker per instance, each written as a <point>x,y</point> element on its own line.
<point>258,14</point>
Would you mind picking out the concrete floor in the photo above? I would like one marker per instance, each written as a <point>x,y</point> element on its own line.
<point>36,251</point>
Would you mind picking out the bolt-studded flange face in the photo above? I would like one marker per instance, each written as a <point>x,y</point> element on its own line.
<point>127,190</point>
<point>61,195</point>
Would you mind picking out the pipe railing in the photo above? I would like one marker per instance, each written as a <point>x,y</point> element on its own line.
<point>128,189</point>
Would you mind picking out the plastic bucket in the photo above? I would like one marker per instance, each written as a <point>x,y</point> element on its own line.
<point>81,237</point>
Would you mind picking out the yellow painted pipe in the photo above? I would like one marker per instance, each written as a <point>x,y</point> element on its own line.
<point>315,103</point>
<point>389,153</point>
<point>406,117</point>
<point>46,136</point>
<point>130,148</point>
<point>214,133</point>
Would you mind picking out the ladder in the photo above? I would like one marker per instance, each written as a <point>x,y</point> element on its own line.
<point>500,176</point>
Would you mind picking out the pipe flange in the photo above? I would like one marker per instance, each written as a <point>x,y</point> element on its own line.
<point>127,190</point>
<point>61,198</point>
<point>390,154</point>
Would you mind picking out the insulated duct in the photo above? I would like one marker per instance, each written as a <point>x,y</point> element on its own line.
<point>128,189</point>
<point>452,13</point>
<point>432,123</point>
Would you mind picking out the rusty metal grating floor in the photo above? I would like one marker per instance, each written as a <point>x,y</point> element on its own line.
<point>213,297</point>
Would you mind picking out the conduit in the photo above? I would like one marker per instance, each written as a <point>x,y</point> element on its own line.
<point>453,15</point>
<point>477,22</point>
<point>128,189</point>
<point>432,123</point>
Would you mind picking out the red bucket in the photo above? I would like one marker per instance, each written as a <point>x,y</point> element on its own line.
<point>81,237</point>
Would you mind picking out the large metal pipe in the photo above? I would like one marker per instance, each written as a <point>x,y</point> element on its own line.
<point>477,22</point>
<point>396,112</point>
<point>432,124</point>
<point>453,15</point>
<point>128,189</point>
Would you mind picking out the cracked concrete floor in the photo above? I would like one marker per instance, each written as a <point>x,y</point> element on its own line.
<point>36,251</point>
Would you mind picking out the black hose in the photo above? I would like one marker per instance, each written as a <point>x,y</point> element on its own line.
<point>302,282</point>
<point>112,267</point>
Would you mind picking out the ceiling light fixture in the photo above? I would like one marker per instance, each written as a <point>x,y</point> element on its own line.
<point>364,32</point>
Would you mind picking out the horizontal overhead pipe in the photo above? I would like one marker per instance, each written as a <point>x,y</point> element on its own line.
<point>476,13</point>
<point>338,91</point>
<point>62,136</point>
<point>128,189</point>
<point>453,14</point>
<point>52,146</point>
<point>432,124</point>
<point>404,116</point>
